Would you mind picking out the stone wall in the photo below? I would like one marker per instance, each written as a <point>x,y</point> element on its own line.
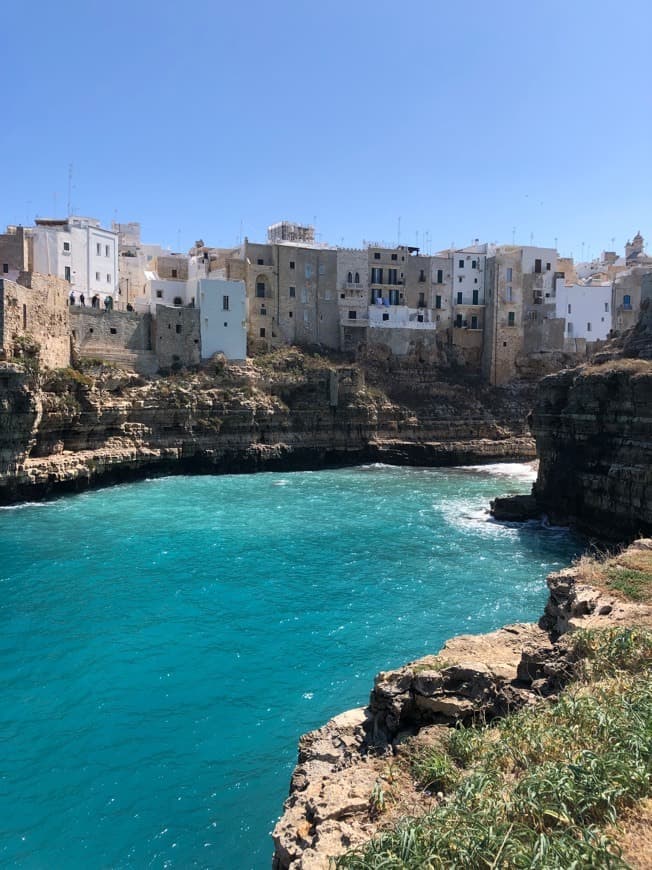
<point>177,337</point>
<point>95,328</point>
<point>14,252</point>
<point>36,308</point>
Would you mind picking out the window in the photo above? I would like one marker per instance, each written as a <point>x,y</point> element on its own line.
<point>66,246</point>
<point>511,319</point>
<point>606,306</point>
<point>260,289</point>
<point>476,295</point>
<point>357,278</point>
<point>458,321</point>
<point>570,328</point>
<point>66,273</point>
<point>460,279</point>
<point>459,298</point>
<point>225,323</point>
<point>177,329</point>
<point>376,295</point>
<point>108,278</point>
<point>292,292</point>
<point>290,314</point>
<point>376,256</point>
<point>159,294</point>
<point>98,249</point>
<point>291,264</point>
<point>225,303</point>
<point>97,276</point>
<point>460,263</point>
<point>569,308</point>
<point>113,330</point>
<point>392,276</point>
<point>440,276</point>
<point>422,275</point>
<point>353,315</point>
<point>376,275</point>
<point>588,327</point>
<point>508,274</point>
<point>627,301</point>
<point>547,267</point>
<point>393,297</point>
<point>24,316</point>
<point>322,269</point>
<point>422,300</point>
<point>437,301</point>
<point>178,300</point>
<point>107,251</point>
<point>263,311</point>
<point>174,273</point>
<point>509,294</point>
<point>308,270</point>
<point>474,264</point>
<point>537,267</point>
<point>385,316</point>
<point>474,321</point>
<point>261,332</point>
<point>475,280</point>
<point>260,261</point>
<point>394,256</point>
<point>349,278</point>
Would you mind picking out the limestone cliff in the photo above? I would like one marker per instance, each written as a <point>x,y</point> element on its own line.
<point>67,430</point>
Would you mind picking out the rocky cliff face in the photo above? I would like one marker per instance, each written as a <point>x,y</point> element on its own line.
<point>69,430</point>
<point>344,766</point>
<point>593,429</point>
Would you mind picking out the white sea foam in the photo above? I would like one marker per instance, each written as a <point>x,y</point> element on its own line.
<point>519,470</point>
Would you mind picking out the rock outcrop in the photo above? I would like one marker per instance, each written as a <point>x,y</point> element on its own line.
<point>593,431</point>
<point>69,430</point>
<point>343,765</point>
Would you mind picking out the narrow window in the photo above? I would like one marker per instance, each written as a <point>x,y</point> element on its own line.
<point>422,275</point>
<point>474,264</point>
<point>627,301</point>
<point>547,267</point>
<point>291,264</point>
<point>66,246</point>
<point>437,301</point>
<point>174,273</point>
<point>159,294</point>
<point>588,327</point>
<point>113,330</point>
<point>460,279</point>
<point>292,292</point>
<point>376,256</point>
<point>460,263</point>
<point>459,298</point>
<point>108,278</point>
<point>106,250</point>
<point>394,256</point>
<point>606,306</point>
<point>440,276</point>
<point>260,289</point>
<point>67,273</point>
<point>458,321</point>
<point>511,319</point>
<point>289,314</point>
<point>5,268</point>
<point>98,249</point>
<point>537,267</point>
<point>97,276</point>
<point>263,311</point>
<point>569,308</point>
<point>260,261</point>
<point>357,278</point>
<point>178,329</point>
<point>24,316</point>
<point>349,278</point>
<point>422,300</point>
<point>353,315</point>
<point>508,274</point>
<point>475,297</point>
<point>509,294</point>
<point>474,322</point>
<point>385,316</point>
<point>225,303</point>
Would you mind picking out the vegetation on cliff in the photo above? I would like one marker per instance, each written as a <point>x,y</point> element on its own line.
<point>564,784</point>
<point>541,788</point>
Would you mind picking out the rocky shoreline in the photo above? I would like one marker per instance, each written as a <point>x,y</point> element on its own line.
<point>74,431</point>
<point>334,787</point>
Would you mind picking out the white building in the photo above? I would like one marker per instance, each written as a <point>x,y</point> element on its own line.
<point>586,309</point>
<point>223,313</point>
<point>381,316</point>
<point>80,251</point>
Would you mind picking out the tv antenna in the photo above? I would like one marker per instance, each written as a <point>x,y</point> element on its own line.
<point>69,189</point>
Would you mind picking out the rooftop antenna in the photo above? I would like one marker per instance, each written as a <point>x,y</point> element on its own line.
<point>240,236</point>
<point>556,244</point>
<point>69,189</point>
<point>613,243</point>
<point>178,240</point>
<point>399,232</point>
<point>513,235</point>
<point>582,251</point>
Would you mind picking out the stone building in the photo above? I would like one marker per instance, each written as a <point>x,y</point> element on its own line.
<point>135,259</point>
<point>628,291</point>
<point>15,252</point>
<point>34,313</point>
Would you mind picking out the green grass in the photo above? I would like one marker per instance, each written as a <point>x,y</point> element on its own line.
<point>543,785</point>
<point>632,583</point>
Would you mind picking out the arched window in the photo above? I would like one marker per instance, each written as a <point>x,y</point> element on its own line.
<point>349,278</point>
<point>357,277</point>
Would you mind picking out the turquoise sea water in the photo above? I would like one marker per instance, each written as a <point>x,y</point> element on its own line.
<point>164,644</point>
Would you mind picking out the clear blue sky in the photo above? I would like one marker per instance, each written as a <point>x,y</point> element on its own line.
<point>474,119</point>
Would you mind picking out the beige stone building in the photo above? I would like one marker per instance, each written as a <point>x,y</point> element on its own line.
<point>34,313</point>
